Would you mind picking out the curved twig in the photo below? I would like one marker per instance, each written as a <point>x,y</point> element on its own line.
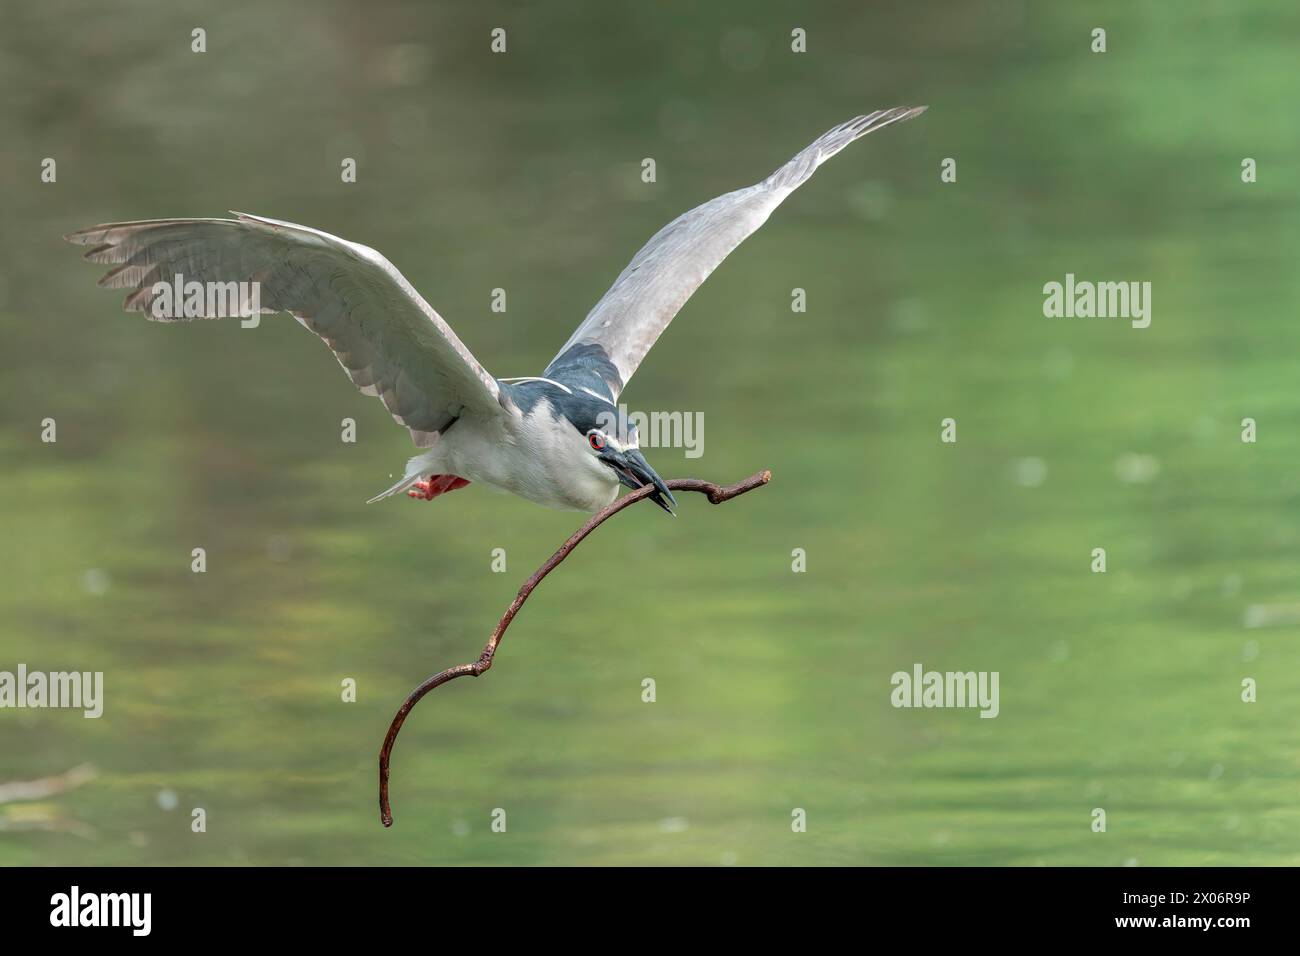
<point>716,494</point>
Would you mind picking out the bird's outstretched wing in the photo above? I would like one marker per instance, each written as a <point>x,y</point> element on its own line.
<point>610,343</point>
<point>388,339</point>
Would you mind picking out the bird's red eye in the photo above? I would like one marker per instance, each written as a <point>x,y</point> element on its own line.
<point>596,441</point>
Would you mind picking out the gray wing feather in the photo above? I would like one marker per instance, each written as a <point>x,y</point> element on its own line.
<point>391,342</point>
<point>618,332</point>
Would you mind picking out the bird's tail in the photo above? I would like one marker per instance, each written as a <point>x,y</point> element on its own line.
<point>416,469</point>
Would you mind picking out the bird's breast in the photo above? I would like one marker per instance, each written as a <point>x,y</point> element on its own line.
<point>539,457</point>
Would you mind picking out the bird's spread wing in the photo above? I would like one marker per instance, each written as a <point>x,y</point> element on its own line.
<point>388,339</point>
<point>610,343</point>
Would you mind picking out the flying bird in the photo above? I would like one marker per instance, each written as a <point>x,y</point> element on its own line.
<point>555,439</point>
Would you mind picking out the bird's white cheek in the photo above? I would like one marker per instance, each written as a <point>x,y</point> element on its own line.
<point>601,471</point>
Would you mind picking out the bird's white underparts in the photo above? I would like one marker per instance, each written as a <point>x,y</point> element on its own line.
<point>555,439</point>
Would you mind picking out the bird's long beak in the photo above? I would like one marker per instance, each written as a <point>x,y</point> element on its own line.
<point>634,471</point>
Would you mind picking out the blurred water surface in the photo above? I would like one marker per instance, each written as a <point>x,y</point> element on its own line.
<point>521,171</point>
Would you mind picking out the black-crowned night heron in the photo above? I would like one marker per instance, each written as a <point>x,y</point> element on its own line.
<point>554,439</point>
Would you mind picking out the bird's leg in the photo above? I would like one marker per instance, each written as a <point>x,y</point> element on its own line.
<point>434,486</point>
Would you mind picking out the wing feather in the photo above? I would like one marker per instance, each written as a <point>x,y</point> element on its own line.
<point>610,343</point>
<point>386,337</point>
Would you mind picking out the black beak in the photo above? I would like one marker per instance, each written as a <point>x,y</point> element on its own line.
<point>635,472</point>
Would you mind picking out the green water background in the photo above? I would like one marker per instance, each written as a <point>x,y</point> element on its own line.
<point>521,171</point>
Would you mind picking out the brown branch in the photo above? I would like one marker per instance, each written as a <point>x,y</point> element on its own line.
<point>716,494</point>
